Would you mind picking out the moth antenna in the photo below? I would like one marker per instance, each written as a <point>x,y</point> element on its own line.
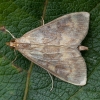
<point>51,80</point>
<point>10,33</point>
<point>15,55</point>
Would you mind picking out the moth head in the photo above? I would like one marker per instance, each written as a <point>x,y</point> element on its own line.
<point>12,44</point>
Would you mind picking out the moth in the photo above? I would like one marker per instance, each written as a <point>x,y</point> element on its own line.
<point>56,47</point>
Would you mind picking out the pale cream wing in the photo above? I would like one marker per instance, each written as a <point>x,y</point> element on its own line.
<point>66,64</point>
<point>67,30</point>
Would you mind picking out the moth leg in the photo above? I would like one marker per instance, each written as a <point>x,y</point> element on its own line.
<point>16,67</point>
<point>42,21</point>
<point>51,80</point>
<point>15,55</point>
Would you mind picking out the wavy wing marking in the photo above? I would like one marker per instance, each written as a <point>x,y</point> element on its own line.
<point>67,64</point>
<point>67,30</point>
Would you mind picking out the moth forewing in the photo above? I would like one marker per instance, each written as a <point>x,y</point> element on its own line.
<point>54,47</point>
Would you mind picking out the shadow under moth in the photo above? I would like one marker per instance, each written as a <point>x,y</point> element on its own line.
<point>56,47</point>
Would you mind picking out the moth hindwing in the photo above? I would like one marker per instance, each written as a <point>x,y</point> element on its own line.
<point>54,47</point>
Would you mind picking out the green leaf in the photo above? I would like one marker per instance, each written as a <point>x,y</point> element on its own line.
<point>20,16</point>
